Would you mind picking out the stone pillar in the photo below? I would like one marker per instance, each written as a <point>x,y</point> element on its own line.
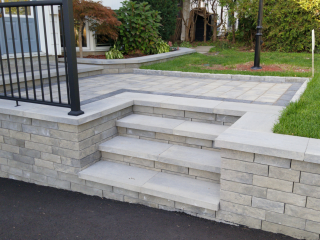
<point>185,11</point>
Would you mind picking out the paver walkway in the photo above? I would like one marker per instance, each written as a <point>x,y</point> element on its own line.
<point>28,211</point>
<point>203,49</point>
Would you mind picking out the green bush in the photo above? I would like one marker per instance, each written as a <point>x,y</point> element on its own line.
<point>114,53</point>
<point>168,10</point>
<point>139,28</point>
<point>162,47</point>
<point>186,45</point>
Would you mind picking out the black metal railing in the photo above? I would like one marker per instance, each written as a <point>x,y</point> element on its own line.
<point>30,73</point>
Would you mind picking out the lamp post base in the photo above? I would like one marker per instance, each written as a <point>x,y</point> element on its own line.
<point>256,68</point>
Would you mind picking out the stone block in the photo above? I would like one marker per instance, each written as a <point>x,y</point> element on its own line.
<point>63,135</point>
<point>86,190</point>
<point>68,128</point>
<point>44,124</point>
<point>238,155</point>
<point>44,140</point>
<point>235,176</point>
<point>23,159</point>
<point>272,183</point>
<point>235,197</point>
<point>239,219</point>
<point>172,168</point>
<point>66,169</point>
<point>4,154</point>
<point>139,201</point>
<point>59,183</point>
<point>286,220</point>
<point>313,227</point>
<point>113,196</point>
<point>36,130</point>
<point>204,174</point>
<point>14,141</point>
<point>199,142</point>
<point>29,153</point>
<point>305,167</point>
<point>51,157</point>
<point>45,171</point>
<point>247,167</point>
<point>141,133</point>
<point>285,197</point>
<point>194,209</point>
<point>284,174</point>
<point>38,146</point>
<point>18,119</point>
<point>244,189</point>
<point>226,118</point>
<point>98,129</point>
<point>272,161</point>
<point>118,157</point>
<point>20,135</point>
<point>10,148</point>
<point>306,190</point>
<point>96,185</point>
<point>4,175</point>
<point>309,178</point>
<point>125,192</point>
<point>75,145</point>
<point>301,212</point>
<point>313,203</point>
<point>20,165</point>
<point>158,200</point>
<point>243,210</point>
<point>139,161</point>
<point>70,178</point>
<point>122,130</point>
<point>4,132</point>
<point>199,115</point>
<point>3,161</point>
<point>296,233</point>
<point>4,117</point>
<point>35,176</point>
<point>144,109</point>
<point>170,112</point>
<point>268,205</point>
<point>43,163</point>
<point>12,126</point>
<point>65,152</point>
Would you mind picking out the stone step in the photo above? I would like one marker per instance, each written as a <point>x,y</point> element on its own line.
<point>176,188</point>
<point>200,159</point>
<point>177,127</point>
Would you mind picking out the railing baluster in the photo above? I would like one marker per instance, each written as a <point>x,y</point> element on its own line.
<point>22,54</point>
<point>15,52</point>
<point>2,70</point>
<point>39,58</point>
<point>47,53</point>
<point>30,53</point>
<point>55,53</point>
<point>65,54</point>
<point>7,51</point>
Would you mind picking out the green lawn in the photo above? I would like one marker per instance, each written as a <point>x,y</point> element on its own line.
<point>198,62</point>
<point>301,118</point>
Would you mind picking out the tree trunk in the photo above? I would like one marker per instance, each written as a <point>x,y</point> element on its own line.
<point>233,30</point>
<point>205,26</point>
<point>80,39</point>
<point>215,27</point>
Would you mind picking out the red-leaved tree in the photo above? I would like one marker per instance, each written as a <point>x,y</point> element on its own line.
<point>101,20</point>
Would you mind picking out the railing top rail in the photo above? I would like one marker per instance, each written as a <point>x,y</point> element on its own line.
<point>30,3</point>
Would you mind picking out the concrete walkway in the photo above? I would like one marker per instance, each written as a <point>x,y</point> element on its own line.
<point>203,49</point>
<point>28,211</point>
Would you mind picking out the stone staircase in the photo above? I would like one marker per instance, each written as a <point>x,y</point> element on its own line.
<point>170,159</point>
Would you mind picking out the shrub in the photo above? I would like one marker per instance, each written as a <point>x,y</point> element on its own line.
<point>139,29</point>
<point>168,10</point>
<point>186,45</point>
<point>114,53</point>
<point>162,47</point>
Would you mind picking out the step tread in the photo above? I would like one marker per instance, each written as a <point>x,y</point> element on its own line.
<point>176,188</point>
<point>200,159</point>
<point>185,128</point>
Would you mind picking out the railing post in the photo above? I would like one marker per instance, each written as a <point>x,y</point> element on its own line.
<point>67,7</point>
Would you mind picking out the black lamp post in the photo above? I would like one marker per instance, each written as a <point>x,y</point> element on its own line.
<point>258,39</point>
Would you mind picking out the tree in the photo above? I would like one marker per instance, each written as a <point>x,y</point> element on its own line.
<point>310,6</point>
<point>213,6</point>
<point>168,11</point>
<point>101,20</point>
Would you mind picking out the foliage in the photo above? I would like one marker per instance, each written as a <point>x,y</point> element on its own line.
<point>139,28</point>
<point>102,20</point>
<point>220,46</point>
<point>114,53</point>
<point>161,47</point>
<point>310,6</point>
<point>230,57</point>
<point>168,10</point>
<point>186,44</point>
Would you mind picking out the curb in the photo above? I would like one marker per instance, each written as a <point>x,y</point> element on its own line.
<point>222,76</point>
